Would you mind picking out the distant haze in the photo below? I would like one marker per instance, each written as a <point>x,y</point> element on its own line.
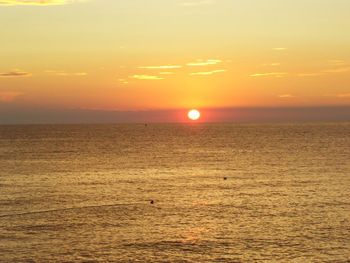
<point>51,116</point>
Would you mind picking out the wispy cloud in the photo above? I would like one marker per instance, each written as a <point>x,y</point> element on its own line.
<point>286,96</point>
<point>166,73</point>
<point>146,77</point>
<point>197,3</point>
<point>280,48</point>
<point>37,2</point>
<point>124,81</point>
<point>272,64</point>
<point>337,70</point>
<point>337,62</point>
<point>64,73</point>
<point>208,72</point>
<point>346,95</point>
<point>201,62</point>
<point>161,67</point>
<point>15,73</point>
<point>269,74</point>
<point>8,96</point>
<point>310,74</point>
<point>324,72</point>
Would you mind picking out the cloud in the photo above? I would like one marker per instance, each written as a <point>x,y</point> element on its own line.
<point>286,96</point>
<point>338,70</point>
<point>269,74</point>
<point>14,73</point>
<point>166,73</point>
<point>201,62</point>
<point>161,67</point>
<point>124,81</point>
<point>280,48</point>
<point>146,77</point>
<point>64,73</point>
<point>336,62</point>
<point>37,2</point>
<point>323,72</point>
<point>342,95</point>
<point>346,95</point>
<point>207,73</point>
<point>8,96</point>
<point>310,74</point>
<point>197,3</point>
<point>71,74</point>
<point>272,64</point>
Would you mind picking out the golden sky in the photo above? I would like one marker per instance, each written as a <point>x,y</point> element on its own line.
<point>174,54</point>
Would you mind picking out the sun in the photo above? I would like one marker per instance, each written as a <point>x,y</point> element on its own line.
<point>194,115</point>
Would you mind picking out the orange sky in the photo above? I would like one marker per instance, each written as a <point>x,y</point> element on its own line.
<point>174,54</point>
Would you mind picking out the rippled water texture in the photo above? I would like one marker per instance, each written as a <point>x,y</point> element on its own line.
<point>82,193</point>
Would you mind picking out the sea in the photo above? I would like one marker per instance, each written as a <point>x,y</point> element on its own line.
<point>190,192</point>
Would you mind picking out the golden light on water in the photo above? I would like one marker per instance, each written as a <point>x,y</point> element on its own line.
<point>194,115</point>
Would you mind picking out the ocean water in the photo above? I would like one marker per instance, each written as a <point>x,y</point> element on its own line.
<point>221,193</point>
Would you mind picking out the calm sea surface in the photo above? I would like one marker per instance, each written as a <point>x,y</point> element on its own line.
<point>81,193</point>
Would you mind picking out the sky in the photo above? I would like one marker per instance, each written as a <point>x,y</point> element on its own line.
<point>153,57</point>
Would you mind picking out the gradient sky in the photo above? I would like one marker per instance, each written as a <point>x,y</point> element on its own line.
<point>127,55</point>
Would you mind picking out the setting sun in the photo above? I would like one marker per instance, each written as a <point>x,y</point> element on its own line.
<point>184,130</point>
<point>194,115</point>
